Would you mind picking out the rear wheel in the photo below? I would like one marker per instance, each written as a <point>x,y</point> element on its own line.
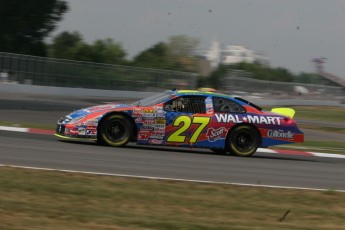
<point>115,130</point>
<point>243,141</point>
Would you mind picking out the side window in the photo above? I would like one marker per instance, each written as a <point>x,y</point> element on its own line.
<point>186,104</point>
<point>224,105</point>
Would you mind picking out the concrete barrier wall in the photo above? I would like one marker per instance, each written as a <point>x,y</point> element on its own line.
<point>69,92</point>
<point>89,93</point>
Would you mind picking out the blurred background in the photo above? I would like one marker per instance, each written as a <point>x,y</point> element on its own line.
<point>60,43</point>
<point>58,55</point>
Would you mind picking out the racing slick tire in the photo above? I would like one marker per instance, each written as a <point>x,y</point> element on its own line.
<point>114,130</point>
<point>243,141</point>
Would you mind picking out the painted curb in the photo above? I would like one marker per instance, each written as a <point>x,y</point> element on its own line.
<point>26,130</point>
<point>260,150</point>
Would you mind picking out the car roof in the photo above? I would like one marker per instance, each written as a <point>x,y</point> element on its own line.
<point>239,100</point>
<point>201,93</point>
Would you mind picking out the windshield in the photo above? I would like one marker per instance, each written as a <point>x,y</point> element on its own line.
<point>155,99</point>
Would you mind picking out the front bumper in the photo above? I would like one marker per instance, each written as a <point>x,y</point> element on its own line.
<point>75,132</point>
<point>60,129</point>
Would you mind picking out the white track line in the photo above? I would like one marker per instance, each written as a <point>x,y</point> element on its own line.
<point>328,155</point>
<point>263,150</point>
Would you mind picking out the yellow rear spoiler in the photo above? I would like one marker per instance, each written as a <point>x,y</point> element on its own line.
<point>284,111</point>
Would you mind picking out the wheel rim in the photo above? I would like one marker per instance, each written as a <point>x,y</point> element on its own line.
<point>244,141</point>
<point>115,130</point>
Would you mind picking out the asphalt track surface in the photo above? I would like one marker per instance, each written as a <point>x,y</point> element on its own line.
<point>46,151</point>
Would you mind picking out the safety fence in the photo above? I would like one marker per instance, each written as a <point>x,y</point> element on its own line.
<point>24,69</point>
<point>32,70</point>
<point>280,90</point>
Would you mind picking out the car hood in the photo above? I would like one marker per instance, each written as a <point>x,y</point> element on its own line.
<point>98,108</point>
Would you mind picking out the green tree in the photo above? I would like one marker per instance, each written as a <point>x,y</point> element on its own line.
<point>262,72</point>
<point>216,77</point>
<point>183,45</point>
<point>178,53</point>
<point>108,51</point>
<point>25,24</point>
<point>154,57</point>
<point>71,45</point>
<point>182,50</point>
<point>64,45</point>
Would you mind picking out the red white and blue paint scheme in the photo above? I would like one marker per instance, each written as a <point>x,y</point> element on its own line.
<point>185,118</point>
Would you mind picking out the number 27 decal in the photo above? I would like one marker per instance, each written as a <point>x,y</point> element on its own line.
<point>187,122</point>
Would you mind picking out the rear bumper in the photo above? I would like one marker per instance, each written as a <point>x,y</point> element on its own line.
<point>280,136</point>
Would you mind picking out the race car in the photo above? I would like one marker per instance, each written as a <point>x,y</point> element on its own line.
<point>185,118</point>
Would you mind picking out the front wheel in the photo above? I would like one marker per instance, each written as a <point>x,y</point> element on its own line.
<point>243,141</point>
<point>114,130</point>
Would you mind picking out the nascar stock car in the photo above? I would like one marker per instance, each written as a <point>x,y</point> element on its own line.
<point>185,118</point>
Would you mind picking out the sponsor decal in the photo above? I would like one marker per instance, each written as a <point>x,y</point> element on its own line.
<point>158,133</point>
<point>148,122</point>
<point>160,121</point>
<point>93,122</point>
<point>151,115</point>
<point>147,111</point>
<point>144,131</point>
<point>160,111</point>
<point>143,136</point>
<point>160,126</point>
<point>81,131</point>
<point>156,142</point>
<point>91,132</point>
<point>160,115</point>
<point>101,107</point>
<point>137,114</point>
<point>72,131</point>
<point>157,137</point>
<point>159,130</point>
<point>255,119</point>
<point>147,127</point>
<point>138,120</point>
<point>280,134</point>
<point>209,106</point>
<point>216,134</point>
<point>209,111</point>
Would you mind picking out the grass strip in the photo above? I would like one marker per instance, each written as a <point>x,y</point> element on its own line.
<point>316,146</point>
<point>320,113</point>
<point>322,128</point>
<point>33,200</point>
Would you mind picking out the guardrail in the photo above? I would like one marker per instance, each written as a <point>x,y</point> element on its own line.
<point>32,70</point>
